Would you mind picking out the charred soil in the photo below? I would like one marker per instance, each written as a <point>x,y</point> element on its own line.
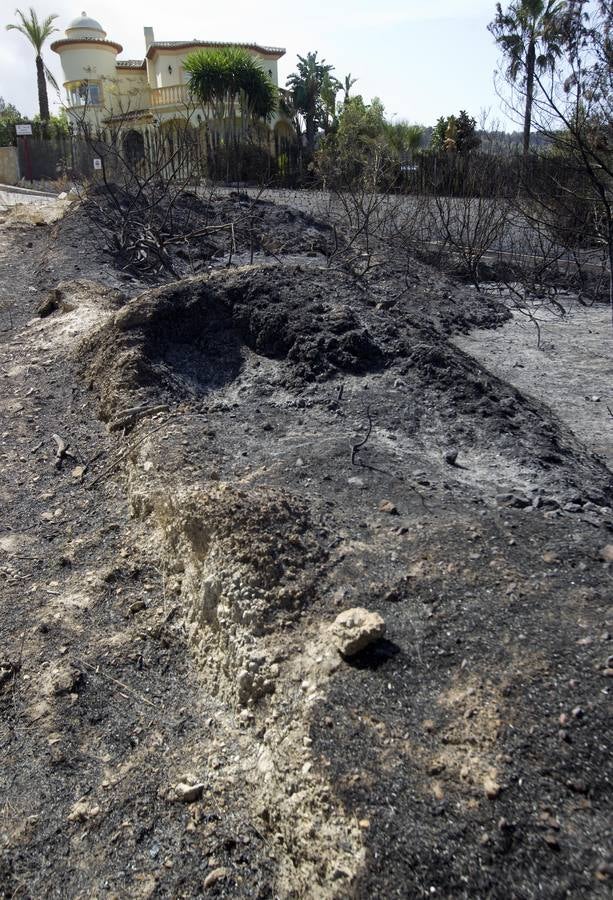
<point>252,450</point>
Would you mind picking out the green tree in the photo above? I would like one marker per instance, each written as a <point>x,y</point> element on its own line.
<point>55,126</point>
<point>329,89</point>
<point>455,134</point>
<point>437,141</point>
<point>466,138</point>
<point>9,116</point>
<point>528,33</point>
<point>403,137</point>
<point>358,143</point>
<point>347,85</point>
<point>306,85</point>
<point>229,83</point>
<point>236,95</point>
<point>37,32</point>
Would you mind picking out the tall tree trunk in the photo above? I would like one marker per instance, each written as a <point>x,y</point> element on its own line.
<point>43,102</point>
<point>310,133</point>
<point>530,64</point>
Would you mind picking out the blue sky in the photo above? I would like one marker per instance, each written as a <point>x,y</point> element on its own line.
<point>423,59</point>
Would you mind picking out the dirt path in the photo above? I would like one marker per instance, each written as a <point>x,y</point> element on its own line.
<point>100,710</point>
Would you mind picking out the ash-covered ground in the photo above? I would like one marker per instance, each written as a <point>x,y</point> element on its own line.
<point>255,449</point>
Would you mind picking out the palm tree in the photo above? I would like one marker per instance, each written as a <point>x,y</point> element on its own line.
<point>228,81</point>
<point>37,33</point>
<point>404,137</point>
<point>349,82</point>
<point>306,85</point>
<point>528,33</point>
<point>233,90</point>
<point>329,89</point>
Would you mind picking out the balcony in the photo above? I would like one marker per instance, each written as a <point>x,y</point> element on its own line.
<point>174,95</point>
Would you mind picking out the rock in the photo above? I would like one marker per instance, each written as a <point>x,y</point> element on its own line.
<point>450,456</point>
<point>491,788</point>
<point>64,680</point>
<point>386,506</point>
<point>551,839</point>
<point>604,871</point>
<point>606,553</point>
<point>514,501</point>
<point>50,304</point>
<point>188,793</point>
<point>214,876</point>
<point>354,629</point>
<point>137,606</point>
<point>82,810</point>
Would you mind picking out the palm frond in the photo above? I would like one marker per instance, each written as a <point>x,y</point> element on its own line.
<point>51,79</point>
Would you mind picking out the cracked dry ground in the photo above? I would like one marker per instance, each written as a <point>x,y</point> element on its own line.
<point>165,613</point>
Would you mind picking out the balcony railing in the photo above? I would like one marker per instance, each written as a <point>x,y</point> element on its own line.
<point>169,96</point>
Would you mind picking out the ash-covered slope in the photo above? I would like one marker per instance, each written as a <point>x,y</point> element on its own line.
<point>357,458</point>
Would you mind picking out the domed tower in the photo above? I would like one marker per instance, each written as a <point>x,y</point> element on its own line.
<point>89,67</point>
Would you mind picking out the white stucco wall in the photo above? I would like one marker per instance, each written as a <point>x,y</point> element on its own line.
<point>159,76</point>
<point>129,91</point>
<point>88,62</point>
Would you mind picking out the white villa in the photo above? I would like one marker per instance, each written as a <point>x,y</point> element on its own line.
<point>102,89</point>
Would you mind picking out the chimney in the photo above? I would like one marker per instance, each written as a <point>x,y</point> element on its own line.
<point>149,37</point>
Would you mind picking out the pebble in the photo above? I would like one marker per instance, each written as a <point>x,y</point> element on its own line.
<point>137,606</point>
<point>188,793</point>
<point>451,456</point>
<point>606,553</point>
<point>214,876</point>
<point>386,506</point>
<point>551,839</point>
<point>491,788</point>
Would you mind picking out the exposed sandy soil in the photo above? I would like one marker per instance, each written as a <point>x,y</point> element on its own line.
<point>167,594</point>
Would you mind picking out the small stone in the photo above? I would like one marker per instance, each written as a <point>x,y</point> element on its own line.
<point>214,876</point>
<point>188,793</point>
<point>604,871</point>
<point>578,713</point>
<point>450,456</point>
<point>64,680</point>
<point>386,506</point>
<point>491,788</point>
<point>82,810</point>
<point>551,839</point>
<point>606,553</point>
<point>356,628</point>
<point>137,606</point>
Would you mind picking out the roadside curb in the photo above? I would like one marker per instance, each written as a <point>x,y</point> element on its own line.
<point>14,189</point>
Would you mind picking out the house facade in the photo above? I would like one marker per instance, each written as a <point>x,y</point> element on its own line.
<point>102,89</point>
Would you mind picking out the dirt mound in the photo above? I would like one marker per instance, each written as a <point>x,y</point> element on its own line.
<point>191,337</point>
<point>267,328</point>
